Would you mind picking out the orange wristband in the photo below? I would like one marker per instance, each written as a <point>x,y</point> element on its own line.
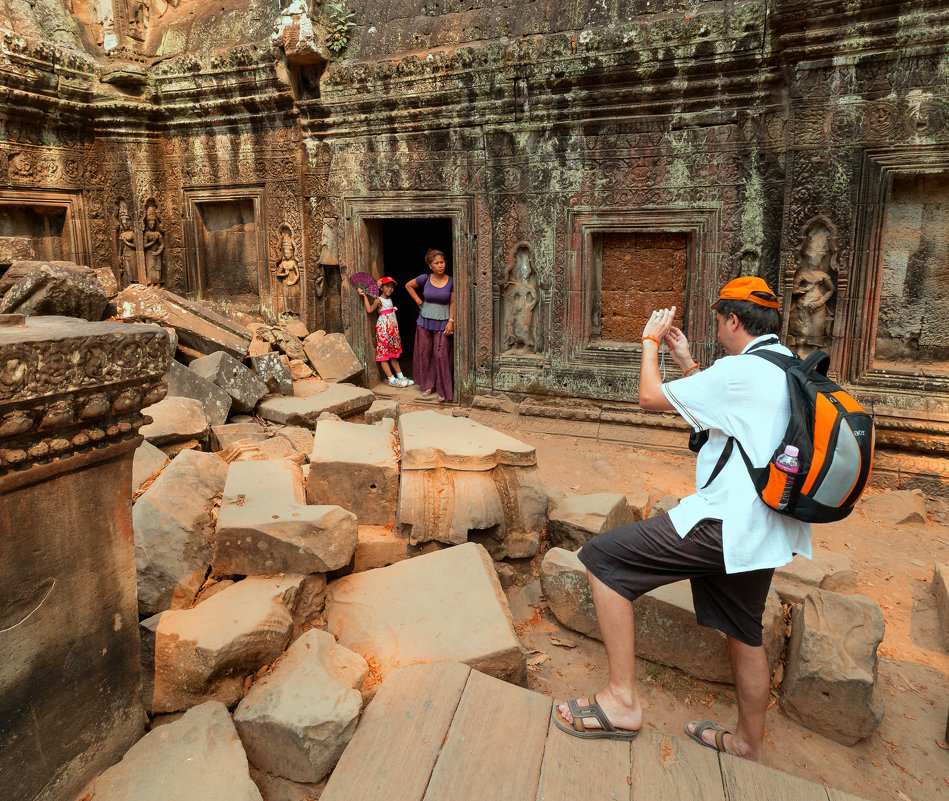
<point>650,336</point>
<point>695,366</point>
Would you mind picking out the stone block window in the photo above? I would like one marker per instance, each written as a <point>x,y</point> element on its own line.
<point>41,225</point>
<point>637,272</point>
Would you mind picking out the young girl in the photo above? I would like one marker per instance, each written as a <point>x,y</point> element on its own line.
<point>388,341</point>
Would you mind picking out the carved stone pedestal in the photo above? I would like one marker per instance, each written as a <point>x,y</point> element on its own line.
<point>70,683</point>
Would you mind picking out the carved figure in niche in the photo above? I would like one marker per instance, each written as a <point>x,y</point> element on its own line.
<point>153,243</point>
<point>520,300</point>
<point>139,13</point>
<point>812,289</point>
<point>125,244</point>
<point>288,274</point>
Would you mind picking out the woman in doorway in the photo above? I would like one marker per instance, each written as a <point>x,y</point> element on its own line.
<point>432,360</point>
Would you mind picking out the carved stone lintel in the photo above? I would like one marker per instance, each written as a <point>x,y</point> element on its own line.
<point>68,386</point>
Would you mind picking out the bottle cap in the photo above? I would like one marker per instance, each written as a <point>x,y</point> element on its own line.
<point>791,450</point>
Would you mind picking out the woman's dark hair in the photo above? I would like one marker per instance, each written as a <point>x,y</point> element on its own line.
<point>430,255</point>
<point>756,319</point>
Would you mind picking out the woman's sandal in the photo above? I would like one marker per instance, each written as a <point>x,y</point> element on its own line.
<point>592,710</point>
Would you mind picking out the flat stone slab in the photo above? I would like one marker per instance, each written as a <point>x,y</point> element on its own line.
<point>430,439</point>
<point>306,406</point>
<point>574,520</point>
<point>147,462</point>
<point>443,606</point>
<point>296,721</point>
<point>460,477</point>
<point>826,571</point>
<point>199,329</point>
<point>183,382</point>
<point>666,629</point>
<point>830,680</point>
<point>242,384</point>
<point>223,436</point>
<point>59,289</point>
<point>357,467</point>
<point>896,507</point>
<point>383,408</point>
<point>332,357</point>
<point>265,525</point>
<point>197,756</point>
<point>175,420</point>
<point>173,525</point>
<point>194,655</point>
<point>378,546</point>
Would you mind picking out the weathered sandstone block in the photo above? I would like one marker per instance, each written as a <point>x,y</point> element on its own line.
<point>274,370</point>
<point>639,503</point>
<point>830,681</point>
<point>175,420</point>
<point>381,409</point>
<point>296,721</point>
<point>443,606</point>
<point>148,461</point>
<point>174,530</point>
<point>826,571</point>
<point>229,374</point>
<point>378,546</point>
<point>311,398</point>
<point>265,525</point>
<point>896,507</point>
<point>183,382</point>
<point>258,450</point>
<point>194,655</point>
<point>197,756</point>
<point>61,289</point>
<point>666,629</point>
<point>461,479</point>
<point>357,467</point>
<point>332,357</point>
<point>574,520</point>
<point>223,436</point>
<point>200,331</point>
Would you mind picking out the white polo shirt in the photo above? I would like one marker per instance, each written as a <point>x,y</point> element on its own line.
<point>746,397</point>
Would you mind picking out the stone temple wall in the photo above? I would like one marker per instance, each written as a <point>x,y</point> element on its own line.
<point>587,156</point>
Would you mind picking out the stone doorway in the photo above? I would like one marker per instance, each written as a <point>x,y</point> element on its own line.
<point>389,236</point>
<point>41,225</point>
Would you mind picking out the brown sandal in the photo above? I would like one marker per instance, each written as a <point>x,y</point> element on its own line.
<point>591,710</point>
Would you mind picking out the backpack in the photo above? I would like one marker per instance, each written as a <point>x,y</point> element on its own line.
<point>834,437</point>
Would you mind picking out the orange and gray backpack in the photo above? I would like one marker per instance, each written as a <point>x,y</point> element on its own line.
<point>834,437</point>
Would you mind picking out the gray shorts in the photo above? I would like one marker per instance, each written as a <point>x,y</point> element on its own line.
<point>637,558</point>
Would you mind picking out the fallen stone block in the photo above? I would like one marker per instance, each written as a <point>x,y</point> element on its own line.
<point>183,382</point>
<point>896,507</point>
<point>665,504</point>
<point>175,420</point>
<point>306,405</point>
<point>830,679</point>
<point>639,503</point>
<point>57,289</point>
<point>296,721</point>
<point>111,286</point>
<point>265,525</point>
<point>229,374</point>
<point>666,628</point>
<point>194,655</point>
<point>378,546</point>
<point>574,520</point>
<point>223,436</point>
<point>461,479</point>
<point>147,462</point>
<point>300,370</point>
<point>332,357</point>
<point>173,525</point>
<point>199,755</point>
<point>277,788</point>
<point>297,329</point>
<point>357,467</point>
<point>274,370</point>
<point>261,450</point>
<point>940,589</point>
<point>281,339</point>
<point>15,248</point>
<point>382,409</point>
<point>826,571</point>
<point>300,438</point>
<point>446,606</point>
<point>200,330</point>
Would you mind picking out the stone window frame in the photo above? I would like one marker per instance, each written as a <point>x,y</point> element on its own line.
<point>360,215</point>
<point>879,169</point>
<point>702,225</point>
<point>256,193</point>
<point>74,226</point>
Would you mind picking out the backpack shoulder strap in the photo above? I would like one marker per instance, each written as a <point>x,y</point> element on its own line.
<point>726,455</point>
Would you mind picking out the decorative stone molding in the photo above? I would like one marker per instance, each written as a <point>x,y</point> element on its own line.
<point>68,386</point>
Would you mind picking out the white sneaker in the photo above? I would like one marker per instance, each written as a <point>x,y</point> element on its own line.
<point>406,382</point>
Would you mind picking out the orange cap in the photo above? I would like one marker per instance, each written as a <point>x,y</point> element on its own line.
<point>748,287</point>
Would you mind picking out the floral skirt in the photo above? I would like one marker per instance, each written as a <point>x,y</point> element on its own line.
<point>388,341</point>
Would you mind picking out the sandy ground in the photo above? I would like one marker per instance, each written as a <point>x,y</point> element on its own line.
<point>903,758</point>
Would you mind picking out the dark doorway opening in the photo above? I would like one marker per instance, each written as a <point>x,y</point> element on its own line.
<point>404,244</point>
